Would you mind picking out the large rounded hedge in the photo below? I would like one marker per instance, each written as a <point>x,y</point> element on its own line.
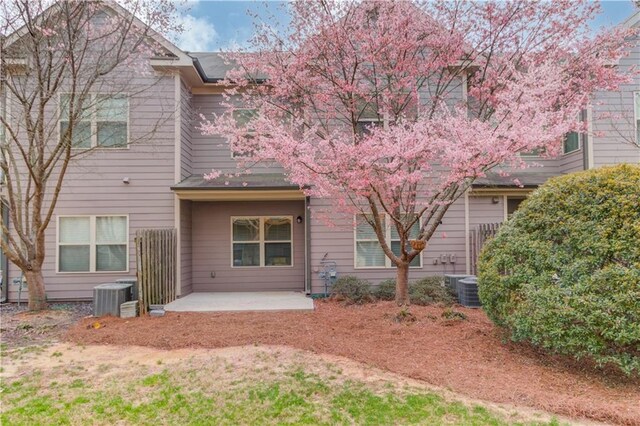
<point>564,272</point>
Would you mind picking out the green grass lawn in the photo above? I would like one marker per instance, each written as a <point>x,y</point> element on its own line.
<point>78,386</point>
<point>188,397</point>
<point>165,398</point>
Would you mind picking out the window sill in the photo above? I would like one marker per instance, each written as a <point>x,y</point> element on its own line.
<point>564,154</point>
<point>91,273</point>
<point>262,267</point>
<point>103,148</point>
<point>378,268</point>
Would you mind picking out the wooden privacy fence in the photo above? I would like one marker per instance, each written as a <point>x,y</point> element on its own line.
<point>477,238</point>
<point>156,265</point>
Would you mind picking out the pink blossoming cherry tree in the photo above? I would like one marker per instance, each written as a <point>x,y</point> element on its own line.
<point>394,109</point>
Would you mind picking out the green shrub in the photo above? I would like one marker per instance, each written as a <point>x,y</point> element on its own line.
<point>429,291</point>
<point>386,290</point>
<point>450,314</point>
<point>564,272</point>
<point>352,290</point>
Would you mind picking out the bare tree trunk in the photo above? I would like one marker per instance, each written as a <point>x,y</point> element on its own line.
<point>402,283</point>
<point>37,296</point>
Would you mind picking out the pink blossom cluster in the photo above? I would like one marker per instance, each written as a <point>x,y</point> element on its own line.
<point>398,107</point>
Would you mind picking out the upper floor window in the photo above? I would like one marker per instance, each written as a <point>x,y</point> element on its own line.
<point>636,115</point>
<point>571,143</point>
<point>573,140</point>
<point>533,153</point>
<point>243,119</point>
<point>93,244</point>
<point>103,121</point>
<point>365,125</point>
<point>369,253</point>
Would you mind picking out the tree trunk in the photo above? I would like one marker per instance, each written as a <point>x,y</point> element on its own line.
<point>35,284</point>
<point>402,284</point>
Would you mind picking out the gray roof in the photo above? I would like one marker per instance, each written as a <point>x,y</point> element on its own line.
<point>527,178</point>
<point>213,66</point>
<point>267,181</point>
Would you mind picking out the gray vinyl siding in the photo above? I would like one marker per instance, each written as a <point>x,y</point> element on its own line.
<point>614,139</point>
<point>212,151</point>
<point>211,239</point>
<point>94,186</point>
<point>186,253</point>
<point>209,151</point>
<point>483,210</point>
<point>335,242</point>
<point>187,128</point>
<point>572,162</point>
<point>539,164</point>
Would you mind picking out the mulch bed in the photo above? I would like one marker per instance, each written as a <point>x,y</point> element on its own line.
<point>20,327</point>
<point>469,357</point>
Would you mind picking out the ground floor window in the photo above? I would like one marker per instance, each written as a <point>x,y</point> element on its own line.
<point>93,243</point>
<point>262,241</point>
<point>513,203</point>
<point>369,253</point>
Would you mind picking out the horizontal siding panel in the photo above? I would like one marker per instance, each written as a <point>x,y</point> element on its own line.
<point>337,242</point>
<point>211,248</point>
<point>614,137</point>
<point>572,162</point>
<point>93,186</point>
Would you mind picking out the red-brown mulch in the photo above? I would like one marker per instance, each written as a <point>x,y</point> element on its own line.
<point>468,357</point>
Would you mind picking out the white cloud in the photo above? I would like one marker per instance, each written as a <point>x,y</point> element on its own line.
<point>199,35</point>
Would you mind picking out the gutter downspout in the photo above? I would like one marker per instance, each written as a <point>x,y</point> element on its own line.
<point>4,262</point>
<point>307,257</point>
<point>585,146</point>
<point>4,209</point>
<point>587,142</point>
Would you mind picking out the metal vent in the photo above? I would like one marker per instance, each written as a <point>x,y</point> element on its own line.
<point>134,285</point>
<point>107,298</point>
<point>468,292</point>
<point>451,281</point>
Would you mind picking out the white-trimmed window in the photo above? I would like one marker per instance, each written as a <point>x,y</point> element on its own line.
<point>243,118</point>
<point>364,126</point>
<point>103,122</point>
<point>261,241</point>
<point>369,253</point>
<point>636,115</point>
<point>93,244</point>
<point>571,142</point>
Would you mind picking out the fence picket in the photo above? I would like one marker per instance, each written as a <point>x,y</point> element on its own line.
<point>477,239</point>
<point>156,266</point>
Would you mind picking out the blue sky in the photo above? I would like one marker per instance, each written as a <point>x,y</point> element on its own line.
<point>221,24</point>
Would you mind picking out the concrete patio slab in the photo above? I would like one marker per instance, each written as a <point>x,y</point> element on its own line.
<point>242,301</point>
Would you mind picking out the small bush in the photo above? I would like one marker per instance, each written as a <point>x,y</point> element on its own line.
<point>429,291</point>
<point>404,316</point>
<point>453,315</point>
<point>564,272</point>
<point>352,290</point>
<point>386,290</point>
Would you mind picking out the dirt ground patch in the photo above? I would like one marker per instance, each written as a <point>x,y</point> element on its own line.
<point>467,357</point>
<point>20,328</point>
<point>66,383</point>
